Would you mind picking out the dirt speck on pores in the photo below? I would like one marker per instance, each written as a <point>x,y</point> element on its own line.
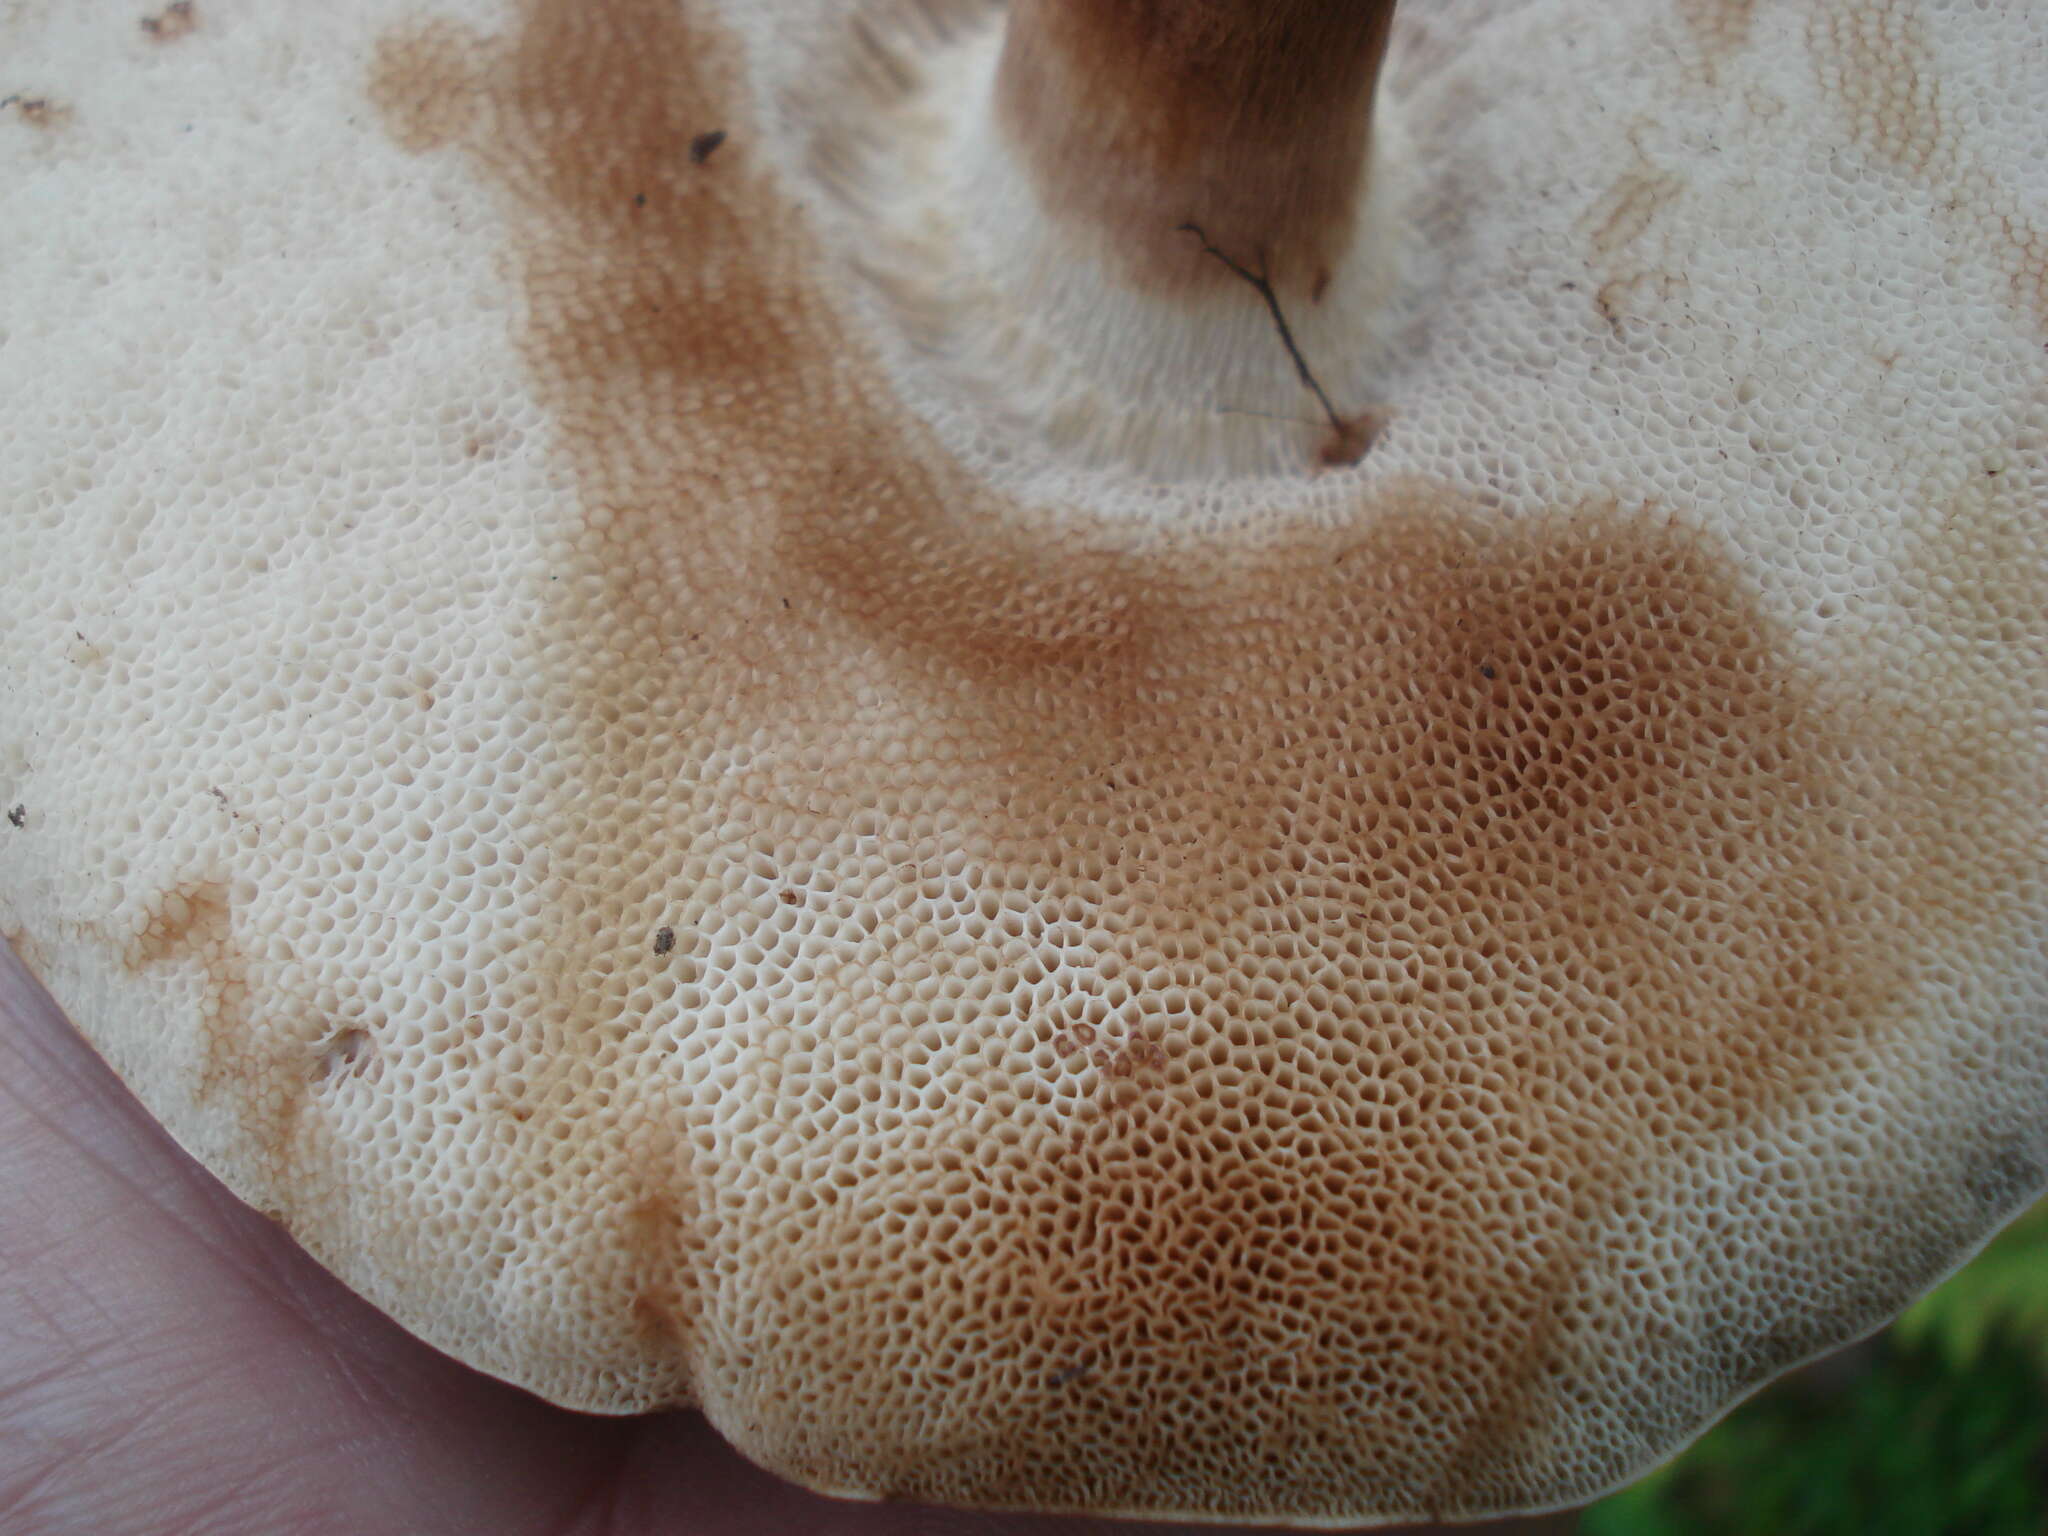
<point>176,20</point>
<point>36,111</point>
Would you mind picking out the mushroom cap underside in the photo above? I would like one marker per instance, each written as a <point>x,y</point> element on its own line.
<point>692,860</point>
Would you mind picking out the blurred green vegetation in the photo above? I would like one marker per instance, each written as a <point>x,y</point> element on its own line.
<point>1939,1427</point>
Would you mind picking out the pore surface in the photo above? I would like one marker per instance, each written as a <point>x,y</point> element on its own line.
<point>690,862</point>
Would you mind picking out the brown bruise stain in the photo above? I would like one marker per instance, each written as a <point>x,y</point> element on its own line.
<point>1890,94</point>
<point>27,950</point>
<point>1630,206</point>
<point>1497,867</point>
<point>1978,574</point>
<point>1569,808</point>
<point>422,85</point>
<point>192,916</point>
<point>1888,90</point>
<point>1635,297</point>
<point>662,1233</point>
<point>1622,216</point>
<point>262,1074</point>
<point>1720,30</point>
<point>193,921</point>
<point>1135,117</point>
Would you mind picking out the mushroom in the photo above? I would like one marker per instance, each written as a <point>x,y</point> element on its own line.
<point>697,682</point>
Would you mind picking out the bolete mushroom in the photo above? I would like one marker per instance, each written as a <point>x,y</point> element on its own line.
<point>698,682</point>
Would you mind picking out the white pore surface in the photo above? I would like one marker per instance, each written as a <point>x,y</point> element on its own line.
<point>700,841</point>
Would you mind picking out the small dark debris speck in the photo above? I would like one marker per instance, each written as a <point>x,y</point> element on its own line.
<point>174,21</point>
<point>705,145</point>
<point>36,111</point>
<point>18,817</point>
<point>664,940</point>
<point>639,199</point>
<point>1488,673</point>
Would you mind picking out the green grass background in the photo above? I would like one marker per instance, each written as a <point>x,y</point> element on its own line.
<point>1938,1427</point>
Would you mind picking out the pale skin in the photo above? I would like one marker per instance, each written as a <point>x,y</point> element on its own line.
<point>170,1362</point>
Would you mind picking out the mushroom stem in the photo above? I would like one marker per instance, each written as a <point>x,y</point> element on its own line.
<point>1249,118</point>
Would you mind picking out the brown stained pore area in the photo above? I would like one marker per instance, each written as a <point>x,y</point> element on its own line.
<point>194,922</point>
<point>259,1067</point>
<point>1482,870</point>
<point>1135,117</point>
<point>1720,30</point>
<point>424,88</point>
<point>1405,901</point>
<point>1887,87</point>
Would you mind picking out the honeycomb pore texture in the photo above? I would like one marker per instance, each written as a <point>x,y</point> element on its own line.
<point>692,865</point>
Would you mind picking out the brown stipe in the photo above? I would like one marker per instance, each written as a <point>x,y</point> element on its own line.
<point>1251,118</point>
